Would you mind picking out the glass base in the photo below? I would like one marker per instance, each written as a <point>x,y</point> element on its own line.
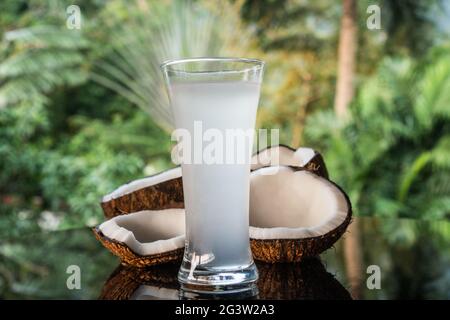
<point>240,281</point>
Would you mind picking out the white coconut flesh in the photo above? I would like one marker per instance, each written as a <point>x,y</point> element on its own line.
<point>282,155</point>
<point>148,232</point>
<point>143,183</point>
<point>288,204</point>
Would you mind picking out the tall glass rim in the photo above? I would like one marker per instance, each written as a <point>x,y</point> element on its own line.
<point>254,64</point>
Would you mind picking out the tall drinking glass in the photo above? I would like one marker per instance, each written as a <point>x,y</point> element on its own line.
<point>214,103</point>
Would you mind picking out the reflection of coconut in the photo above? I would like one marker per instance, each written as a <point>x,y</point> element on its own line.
<point>145,238</point>
<point>120,284</point>
<point>305,280</point>
<point>294,214</point>
<point>157,282</point>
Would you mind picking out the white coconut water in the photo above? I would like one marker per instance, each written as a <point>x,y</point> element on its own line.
<point>216,195</point>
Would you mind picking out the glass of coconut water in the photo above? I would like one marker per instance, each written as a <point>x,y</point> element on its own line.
<point>214,103</point>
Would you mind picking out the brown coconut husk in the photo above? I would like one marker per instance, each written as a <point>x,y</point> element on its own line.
<point>131,258</point>
<point>295,250</point>
<point>317,165</point>
<point>165,195</point>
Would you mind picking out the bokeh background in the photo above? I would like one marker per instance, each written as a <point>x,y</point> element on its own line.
<point>83,110</point>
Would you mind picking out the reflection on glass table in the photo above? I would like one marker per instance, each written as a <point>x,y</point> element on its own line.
<point>412,257</point>
<point>306,280</point>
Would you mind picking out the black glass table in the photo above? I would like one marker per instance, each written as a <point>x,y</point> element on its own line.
<point>376,259</point>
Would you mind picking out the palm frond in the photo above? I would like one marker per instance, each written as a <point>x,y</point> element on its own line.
<point>437,208</point>
<point>42,58</point>
<point>393,155</point>
<point>183,29</point>
<point>433,93</point>
<point>441,154</point>
<point>411,173</point>
<point>41,36</point>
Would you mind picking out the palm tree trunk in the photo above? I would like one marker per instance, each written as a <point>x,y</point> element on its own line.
<point>343,97</point>
<point>354,259</point>
<point>347,57</point>
<point>143,5</point>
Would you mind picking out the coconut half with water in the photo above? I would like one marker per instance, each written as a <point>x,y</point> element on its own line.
<point>144,238</point>
<point>295,212</point>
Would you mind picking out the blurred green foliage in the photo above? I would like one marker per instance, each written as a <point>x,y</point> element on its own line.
<point>35,266</point>
<point>71,130</point>
<point>64,140</point>
<point>393,155</point>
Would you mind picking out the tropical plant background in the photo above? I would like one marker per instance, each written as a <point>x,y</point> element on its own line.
<point>83,111</point>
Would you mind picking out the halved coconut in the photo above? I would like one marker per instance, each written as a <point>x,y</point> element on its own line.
<point>294,214</point>
<point>305,280</point>
<point>157,192</point>
<point>144,238</point>
<point>157,282</point>
<point>286,156</point>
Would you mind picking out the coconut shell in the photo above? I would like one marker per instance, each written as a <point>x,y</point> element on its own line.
<point>125,280</point>
<point>131,258</point>
<point>296,250</point>
<point>165,195</point>
<point>316,164</point>
<point>306,280</point>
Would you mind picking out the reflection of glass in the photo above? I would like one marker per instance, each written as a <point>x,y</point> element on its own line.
<point>219,96</point>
